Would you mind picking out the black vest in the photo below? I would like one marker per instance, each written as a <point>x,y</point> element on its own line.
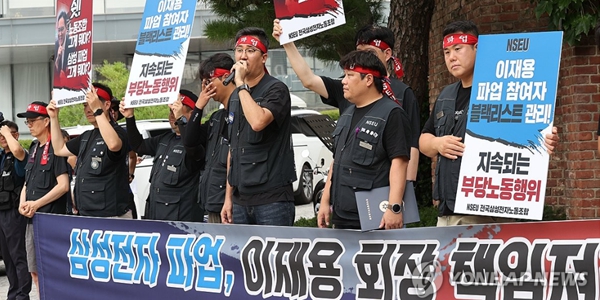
<point>10,184</point>
<point>101,185</point>
<point>447,170</point>
<point>214,177</point>
<point>41,179</point>
<point>263,160</point>
<point>173,187</point>
<point>399,88</point>
<point>361,161</point>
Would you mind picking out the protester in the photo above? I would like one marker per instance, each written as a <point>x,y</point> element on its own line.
<point>374,155</point>
<point>380,41</point>
<point>261,169</point>
<point>13,159</point>
<point>442,137</point>
<point>46,178</point>
<point>71,163</point>
<point>101,184</point>
<point>116,115</point>
<point>213,134</point>
<point>176,169</point>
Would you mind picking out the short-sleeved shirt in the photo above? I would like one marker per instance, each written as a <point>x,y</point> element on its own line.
<point>272,101</point>
<point>396,142</point>
<point>103,169</point>
<point>335,90</point>
<point>462,102</point>
<point>40,179</point>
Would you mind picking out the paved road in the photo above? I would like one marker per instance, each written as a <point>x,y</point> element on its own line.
<point>4,285</point>
<point>302,211</point>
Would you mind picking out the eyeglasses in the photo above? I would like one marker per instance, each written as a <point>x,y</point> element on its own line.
<point>249,51</point>
<point>30,122</point>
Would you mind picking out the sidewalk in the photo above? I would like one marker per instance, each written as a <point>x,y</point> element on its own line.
<point>4,285</point>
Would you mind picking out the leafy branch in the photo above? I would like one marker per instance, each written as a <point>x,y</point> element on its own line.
<point>575,17</point>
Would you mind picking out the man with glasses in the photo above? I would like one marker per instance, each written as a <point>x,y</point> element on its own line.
<point>213,134</point>
<point>176,170</point>
<point>46,177</point>
<point>13,159</point>
<point>261,166</point>
<point>101,184</point>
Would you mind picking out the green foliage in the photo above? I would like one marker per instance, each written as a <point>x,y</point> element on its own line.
<point>115,76</point>
<point>303,222</point>
<point>575,17</point>
<point>552,213</point>
<point>237,14</point>
<point>72,115</point>
<point>25,143</point>
<point>428,215</point>
<point>334,114</point>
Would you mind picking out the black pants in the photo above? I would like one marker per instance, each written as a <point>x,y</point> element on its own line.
<point>12,246</point>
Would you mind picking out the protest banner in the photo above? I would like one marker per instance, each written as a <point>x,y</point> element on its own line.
<point>97,258</point>
<point>305,18</point>
<point>72,63</point>
<point>160,53</point>
<point>505,163</point>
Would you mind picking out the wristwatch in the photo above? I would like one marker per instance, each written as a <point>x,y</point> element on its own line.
<point>181,121</point>
<point>98,112</point>
<point>396,208</point>
<point>244,87</point>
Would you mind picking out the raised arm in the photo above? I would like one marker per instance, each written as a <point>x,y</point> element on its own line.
<point>301,68</point>
<point>58,143</point>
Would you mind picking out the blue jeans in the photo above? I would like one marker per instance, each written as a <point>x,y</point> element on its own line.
<point>276,214</point>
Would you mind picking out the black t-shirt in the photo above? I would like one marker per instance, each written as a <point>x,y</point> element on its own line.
<point>396,142</point>
<point>274,101</point>
<point>335,90</point>
<point>396,139</point>
<point>462,103</point>
<point>74,144</point>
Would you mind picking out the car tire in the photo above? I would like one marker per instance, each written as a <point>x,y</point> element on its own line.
<point>305,186</point>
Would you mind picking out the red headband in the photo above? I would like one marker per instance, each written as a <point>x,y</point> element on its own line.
<point>362,70</point>
<point>218,72</point>
<point>384,46</point>
<point>459,38</point>
<point>252,41</point>
<point>187,101</point>
<point>102,94</point>
<point>36,108</point>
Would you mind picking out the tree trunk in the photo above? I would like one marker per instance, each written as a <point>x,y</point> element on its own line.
<point>410,21</point>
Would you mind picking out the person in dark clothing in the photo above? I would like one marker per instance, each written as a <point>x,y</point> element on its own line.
<point>176,169</point>
<point>444,139</point>
<point>131,161</point>
<point>261,169</point>
<point>213,134</point>
<point>13,159</point>
<point>380,41</point>
<point>46,178</point>
<point>371,150</point>
<point>102,185</point>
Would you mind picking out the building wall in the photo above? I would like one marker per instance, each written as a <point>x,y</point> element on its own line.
<point>574,175</point>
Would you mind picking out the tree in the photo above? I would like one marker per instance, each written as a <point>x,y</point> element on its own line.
<point>237,14</point>
<point>410,21</point>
